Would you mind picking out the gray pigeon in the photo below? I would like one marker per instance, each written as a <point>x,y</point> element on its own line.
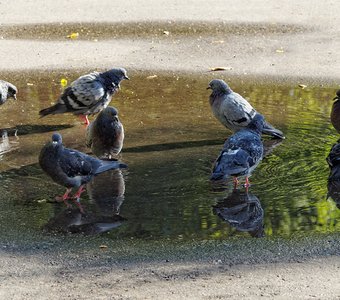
<point>105,135</point>
<point>89,94</point>
<point>233,111</point>
<point>7,90</point>
<point>241,153</point>
<point>71,168</point>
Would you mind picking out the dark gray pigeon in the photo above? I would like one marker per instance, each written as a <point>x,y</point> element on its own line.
<point>89,94</point>
<point>7,90</point>
<point>71,168</point>
<point>233,111</point>
<point>105,135</point>
<point>241,153</point>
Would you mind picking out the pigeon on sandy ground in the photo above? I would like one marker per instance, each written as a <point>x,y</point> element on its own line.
<point>7,90</point>
<point>241,153</point>
<point>335,112</point>
<point>89,94</point>
<point>233,111</point>
<point>105,135</point>
<point>243,211</point>
<point>71,168</point>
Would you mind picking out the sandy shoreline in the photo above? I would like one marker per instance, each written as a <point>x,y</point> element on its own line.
<point>310,54</point>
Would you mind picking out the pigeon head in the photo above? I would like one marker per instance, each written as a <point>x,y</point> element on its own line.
<point>115,76</point>
<point>337,95</point>
<point>256,123</point>
<point>110,112</point>
<point>218,86</point>
<point>12,91</point>
<point>56,139</point>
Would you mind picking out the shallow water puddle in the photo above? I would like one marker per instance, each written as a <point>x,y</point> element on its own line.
<point>171,142</point>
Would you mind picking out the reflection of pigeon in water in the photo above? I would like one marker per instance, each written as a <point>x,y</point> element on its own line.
<point>89,94</point>
<point>105,135</point>
<point>73,221</point>
<point>7,90</point>
<point>71,168</point>
<point>335,112</point>
<point>241,153</point>
<point>106,191</point>
<point>333,160</point>
<point>242,211</point>
<point>233,111</point>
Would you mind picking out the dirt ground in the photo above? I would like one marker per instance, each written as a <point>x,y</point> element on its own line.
<point>286,39</point>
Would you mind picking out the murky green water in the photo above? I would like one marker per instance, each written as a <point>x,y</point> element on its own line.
<point>171,142</point>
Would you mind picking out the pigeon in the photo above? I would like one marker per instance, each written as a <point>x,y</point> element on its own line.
<point>233,111</point>
<point>7,90</point>
<point>243,211</point>
<point>335,112</point>
<point>333,186</point>
<point>241,153</point>
<point>89,94</point>
<point>105,135</point>
<point>71,168</point>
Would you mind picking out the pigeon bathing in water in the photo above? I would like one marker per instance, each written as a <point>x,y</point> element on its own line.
<point>89,94</point>
<point>105,135</point>
<point>7,90</point>
<point>241,153</point>
<point>335,113</point>
<point>71,168</point>
<point>233,111</point>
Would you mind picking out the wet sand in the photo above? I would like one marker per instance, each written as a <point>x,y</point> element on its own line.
<point>286,41</point>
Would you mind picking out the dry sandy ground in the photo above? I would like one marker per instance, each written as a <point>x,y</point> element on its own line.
<point>309,49</point>
<point>34,279</point>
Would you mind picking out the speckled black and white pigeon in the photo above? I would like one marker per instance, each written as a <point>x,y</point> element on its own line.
<point>7,90</point>
<point>71,168</point>
<point>241,153</point>
<point>105,135</point>
<point>89,94</point>
<point>233,111</point>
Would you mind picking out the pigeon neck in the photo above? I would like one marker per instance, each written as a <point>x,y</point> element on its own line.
<point>109,79</point>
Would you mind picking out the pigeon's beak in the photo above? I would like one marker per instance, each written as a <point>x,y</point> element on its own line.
<point>127,78</point>
<point>209,87</point>
<point>54,142</point>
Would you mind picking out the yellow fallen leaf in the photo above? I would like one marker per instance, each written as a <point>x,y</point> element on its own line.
<point>280,50</point>
<point>73,35</point>
<point>28,83</point>
<point>63,82</point>
<point>103,247</point>
<point>151,77</point>
<point>302,86</point>
<point>220,69</point>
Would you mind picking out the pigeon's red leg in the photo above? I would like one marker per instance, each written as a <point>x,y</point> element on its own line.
<point>247,184</point>
<point>236,182</point>
<point>64,197</point>
<point>85,119</point>
<point>76,197</point>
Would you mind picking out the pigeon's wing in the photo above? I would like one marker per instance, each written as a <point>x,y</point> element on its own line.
<point>75,163</point>
<point>237,110</point>
<point>83,93</point>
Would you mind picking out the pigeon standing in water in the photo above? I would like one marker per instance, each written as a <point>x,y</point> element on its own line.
<point>105,135</point>
<point>241,153</point>
<point>233,111</point>
<point>89,94</point>
<point>7,90</point>
<point>335,113</point>
<point>71,168</point>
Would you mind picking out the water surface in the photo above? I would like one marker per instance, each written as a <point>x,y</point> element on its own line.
<point>171,142</point>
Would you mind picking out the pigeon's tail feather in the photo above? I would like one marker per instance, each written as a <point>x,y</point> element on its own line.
<point>270,130</point>
<point>109,165</point>
<point>55,109</point>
